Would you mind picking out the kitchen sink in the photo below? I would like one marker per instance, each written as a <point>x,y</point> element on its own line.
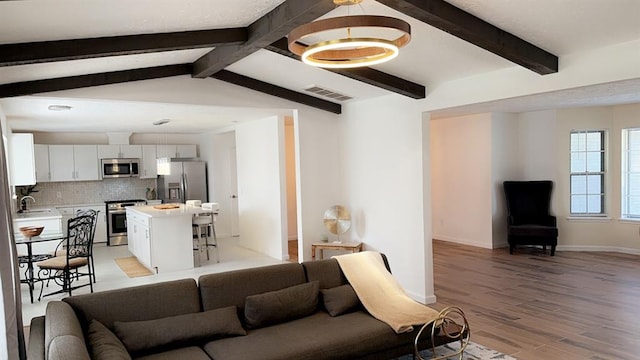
<point>36,213</point>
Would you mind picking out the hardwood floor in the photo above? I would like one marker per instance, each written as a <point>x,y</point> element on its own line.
<point>575,305</point>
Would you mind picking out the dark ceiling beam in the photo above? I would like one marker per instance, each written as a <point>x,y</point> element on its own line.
<point>365,74</point>
<point>277,91</point>
<point>82,81</point>
<point>457,22</point>
<point>264,31</point>
<point>62,50</point>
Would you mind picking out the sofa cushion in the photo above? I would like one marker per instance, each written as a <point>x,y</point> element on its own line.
<point>187,353</point>
<point>152,301</point>
<point>278,306</point>
<point>340,300</point>
<point>326,271</point>
<point>176,331</point>
<point>315,337</point>
<point>232,288</point>
<point>104,344</point>
<point>68,347</point>
<point>60,321</point>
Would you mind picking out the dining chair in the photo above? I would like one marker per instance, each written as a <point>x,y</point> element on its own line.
<point>61,247</point>
<point>78,250</point>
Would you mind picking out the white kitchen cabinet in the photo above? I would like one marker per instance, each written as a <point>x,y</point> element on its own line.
<point>149,163</point>
<point>41,155</point>
<point>61,162</point>
<point>119,151</point>
<point>74,162</point>
<point>166,151</point>
<point>86,162</point>
<point>22,160</point>
<point>177,151</point>
<point>186,151</point>
<point>139,238</point>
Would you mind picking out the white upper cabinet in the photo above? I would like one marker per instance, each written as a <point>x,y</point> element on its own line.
<point>86,162</point>
<point>166,151</point>
<point>186,151</point>
<point>177,151</point>
<point>149,162</point>
<point>119,151</point>
<point>41,154</point>
<point>22,161</point>
<point>74,162</point>
<point>62,167</point>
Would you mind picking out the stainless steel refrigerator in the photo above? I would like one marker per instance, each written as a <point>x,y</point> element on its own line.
<point>187,181</point>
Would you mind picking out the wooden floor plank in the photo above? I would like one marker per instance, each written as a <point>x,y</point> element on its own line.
<point>530,305</point>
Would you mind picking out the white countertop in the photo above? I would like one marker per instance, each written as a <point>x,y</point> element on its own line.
<point>182,210</point>
<point>39,214</point>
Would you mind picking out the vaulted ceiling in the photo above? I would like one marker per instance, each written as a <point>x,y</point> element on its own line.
<point>73,44</point>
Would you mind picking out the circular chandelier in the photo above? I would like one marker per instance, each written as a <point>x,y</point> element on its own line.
<point>349,52</point>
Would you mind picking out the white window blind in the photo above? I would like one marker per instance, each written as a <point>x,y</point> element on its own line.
<point>631,173</point>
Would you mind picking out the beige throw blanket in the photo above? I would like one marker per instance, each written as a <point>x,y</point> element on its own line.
<point>381,294</point>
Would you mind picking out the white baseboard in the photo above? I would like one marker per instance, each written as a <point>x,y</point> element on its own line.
<point>421,299</point>
<point>598,248</point>
<point>466,242</point>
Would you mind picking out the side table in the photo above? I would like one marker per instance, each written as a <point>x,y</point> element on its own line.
<point>354,247</point>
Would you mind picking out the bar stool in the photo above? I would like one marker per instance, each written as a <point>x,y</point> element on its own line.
<point>203,224</point>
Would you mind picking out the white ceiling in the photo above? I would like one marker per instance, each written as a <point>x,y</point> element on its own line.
<point>432,58</point>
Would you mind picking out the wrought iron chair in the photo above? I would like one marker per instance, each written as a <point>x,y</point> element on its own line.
<point>61,249</point>
<point>78,252</point>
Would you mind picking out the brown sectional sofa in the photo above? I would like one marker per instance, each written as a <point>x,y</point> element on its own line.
<point>269,313</point>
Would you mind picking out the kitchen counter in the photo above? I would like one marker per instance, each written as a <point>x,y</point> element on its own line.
<point>50,218</point>
<point>183,210</point>
<point>161,239</point>
<point>39,214</point>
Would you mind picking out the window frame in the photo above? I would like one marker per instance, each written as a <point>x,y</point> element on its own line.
<point>602,174</point>
<point>625,173</point>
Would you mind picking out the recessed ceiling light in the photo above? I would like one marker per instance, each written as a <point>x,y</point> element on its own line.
<point>161,122</point>
<point>59,107</point>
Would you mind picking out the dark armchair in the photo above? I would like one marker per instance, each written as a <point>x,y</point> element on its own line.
<point>529,221</point>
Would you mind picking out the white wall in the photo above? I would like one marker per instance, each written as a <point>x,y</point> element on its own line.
<point>504,166</point>
<point>461,179</point>
<point>383,173</point>
<point>552,131</point>
<point>261,186</point>
<point>292,203</point>
<point>216,148</point>
<point>542,152</point>
<point>320,177</point>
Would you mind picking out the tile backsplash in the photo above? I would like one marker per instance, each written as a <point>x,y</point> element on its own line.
<point>90,192</point>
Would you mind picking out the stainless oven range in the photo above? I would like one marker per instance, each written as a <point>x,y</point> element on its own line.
<point>117,220</point>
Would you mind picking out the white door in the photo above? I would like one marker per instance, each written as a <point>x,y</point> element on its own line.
<point>233,183</point>
<point>41,153</point>
<point>86,162</point>
<point>61,160</point>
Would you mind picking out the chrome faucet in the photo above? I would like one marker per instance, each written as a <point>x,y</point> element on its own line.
<point>23,202</point>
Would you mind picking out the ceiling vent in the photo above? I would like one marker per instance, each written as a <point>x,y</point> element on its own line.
<point>327,93</point>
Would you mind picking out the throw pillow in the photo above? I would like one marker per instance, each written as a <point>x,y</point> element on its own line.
<point>104,344</point>
<point>279,306</point>
<point>340,300</point>
<point>179,330</point>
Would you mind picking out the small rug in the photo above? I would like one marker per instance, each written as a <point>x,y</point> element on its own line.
<point>472,352</point>
<point>132,267</point>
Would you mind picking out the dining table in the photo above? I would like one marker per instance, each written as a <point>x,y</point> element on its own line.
<point>32,258</point>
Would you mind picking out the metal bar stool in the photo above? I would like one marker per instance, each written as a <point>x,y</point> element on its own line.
<point>204,227</point>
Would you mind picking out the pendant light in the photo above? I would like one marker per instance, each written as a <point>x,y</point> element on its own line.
<point>348,51</point>
<point>163,164</point>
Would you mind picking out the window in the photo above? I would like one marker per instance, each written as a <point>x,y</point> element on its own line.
<point>631,173</point>
<point>587,173</point>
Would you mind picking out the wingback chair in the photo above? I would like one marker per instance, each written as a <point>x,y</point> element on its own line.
<point>529,221</point>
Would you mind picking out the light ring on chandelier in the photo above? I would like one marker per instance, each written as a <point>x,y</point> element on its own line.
<point>348,53</point>
<point>346,56</point>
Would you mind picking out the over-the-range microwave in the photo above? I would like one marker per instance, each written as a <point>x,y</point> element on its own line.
<point>120,168</point>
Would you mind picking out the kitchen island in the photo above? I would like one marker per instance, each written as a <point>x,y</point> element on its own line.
<point>162,239</point>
